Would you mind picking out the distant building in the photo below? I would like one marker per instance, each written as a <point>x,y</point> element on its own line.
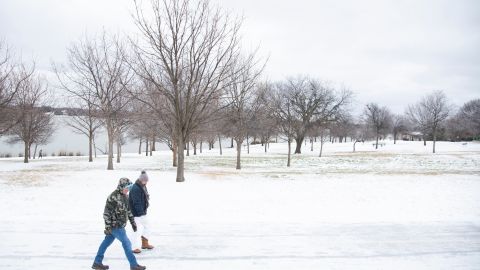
<point>412,136</point>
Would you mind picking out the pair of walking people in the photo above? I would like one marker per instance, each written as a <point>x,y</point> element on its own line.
<point>119,208</point>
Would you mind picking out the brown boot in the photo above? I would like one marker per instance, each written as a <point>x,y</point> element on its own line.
<point>145,244</point>
<point>99,266</point>
<point>136,251</point>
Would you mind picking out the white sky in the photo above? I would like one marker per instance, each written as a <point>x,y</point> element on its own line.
<point>390,52</point>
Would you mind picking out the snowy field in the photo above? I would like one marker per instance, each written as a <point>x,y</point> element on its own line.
<point>398,207</point>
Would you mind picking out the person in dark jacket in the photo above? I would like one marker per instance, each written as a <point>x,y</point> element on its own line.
<point>139,202</point>
<point>116,214</point>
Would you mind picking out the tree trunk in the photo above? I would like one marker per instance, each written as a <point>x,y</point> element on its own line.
<point>231,142</point>
<point>35,151</point>
<point>119,151</point>
<point>153,147</point>
<point>289,152</point>
<point>26,150</point>
<point>424,141</point>
<point>220,144</point>
<point>321,149</point>
<point>298,148</point>
<point>434,138</point>
<point>201,146</point>
<point>194,148</point>
<point>248,146</point>
<point>110,145</point>
<point>94,146</point>
<point>265,147</point>
<point>311,144</point>
<point>187,144</point>
<point>181,159</point>
<point>140,146</point>
<point>90,147</point>
<point>376,143</point>
<point>146,147</point>
<point>174,153</point>
<point>394,138</point>
<point>239,151</point>
<point>354,145</point>
<point>152,143</point>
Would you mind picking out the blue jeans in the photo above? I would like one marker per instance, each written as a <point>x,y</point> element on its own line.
<point>121,235</point>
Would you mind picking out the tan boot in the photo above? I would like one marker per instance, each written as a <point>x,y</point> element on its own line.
<point>145,244</point>
<point>137,251</point>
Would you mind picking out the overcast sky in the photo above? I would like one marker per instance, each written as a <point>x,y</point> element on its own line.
<point>386,51</point>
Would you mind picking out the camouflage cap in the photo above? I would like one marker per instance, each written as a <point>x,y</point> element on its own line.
<point>124,183</point>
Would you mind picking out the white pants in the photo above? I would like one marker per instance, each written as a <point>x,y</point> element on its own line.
<point>142,230</point>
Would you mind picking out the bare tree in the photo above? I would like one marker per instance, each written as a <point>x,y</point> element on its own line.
<point>85,120</point>
<point>458,128</point>
<point>122,122</point>
<point>361,133</point>
<point>313,101</point>
<point>399,125</point>
<point>281,106</point>
<point>263,122</point>
<point>12,75</point>
<point>97,73</point>
<point>342,127</point>
<point>470,112</point>
<point>34,126</point>
<point>430,113</point>
<point>323,137</point>
<point>143,126</point>
<point>241,100</point>
<point>186,54</point>
<point>378,118</point>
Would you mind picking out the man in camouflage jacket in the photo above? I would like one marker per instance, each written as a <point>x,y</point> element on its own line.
<point>116,213</point>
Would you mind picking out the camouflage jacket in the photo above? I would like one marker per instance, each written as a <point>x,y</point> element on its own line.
<point>117,210</point>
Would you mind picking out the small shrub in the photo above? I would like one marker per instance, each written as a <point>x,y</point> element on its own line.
<point>53,154</point>
<point>78,154</point>
<point>8,155</point>
<point>62,153</point>
<point>20,155</point>
<point>70,154</point>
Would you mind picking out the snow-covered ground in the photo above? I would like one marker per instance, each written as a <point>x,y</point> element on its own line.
<point>398,207</point>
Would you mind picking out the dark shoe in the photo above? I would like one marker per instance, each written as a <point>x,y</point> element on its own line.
<point>99,266</point>
<point>137,251</point>
<point>138,267</point>
<point>145,244</point>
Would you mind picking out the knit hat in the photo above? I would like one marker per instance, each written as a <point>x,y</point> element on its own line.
<point>143,176</point>
<point>124,183</point>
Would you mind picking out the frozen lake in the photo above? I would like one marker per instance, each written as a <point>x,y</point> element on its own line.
<point>64,139</point>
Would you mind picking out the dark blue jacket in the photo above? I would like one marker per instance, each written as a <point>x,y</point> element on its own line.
<point>138,200</point>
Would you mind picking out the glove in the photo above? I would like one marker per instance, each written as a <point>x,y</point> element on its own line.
<point>134,227</point>
<point>107,231</point>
